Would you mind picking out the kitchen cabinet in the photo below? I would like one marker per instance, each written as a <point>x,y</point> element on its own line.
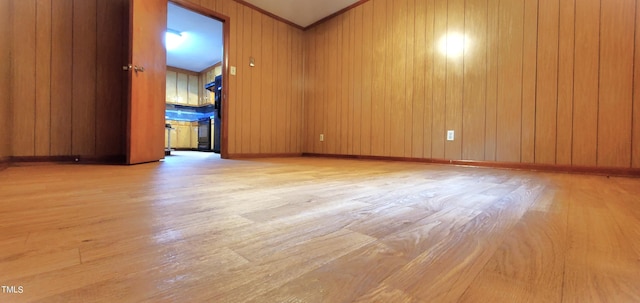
<point>183,88</point>
<point>174,135</point>
<point>208,76</point>
<point>172,92</point>
<point>184,136</point>
<point>194,135</point>
<point>193,90</point>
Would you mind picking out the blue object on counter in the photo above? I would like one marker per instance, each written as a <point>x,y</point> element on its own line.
<point>188,113</point>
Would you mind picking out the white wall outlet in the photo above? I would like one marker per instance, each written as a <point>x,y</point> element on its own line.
<point>233,71</point>
<point>321,137</point>
<point>450,135</point>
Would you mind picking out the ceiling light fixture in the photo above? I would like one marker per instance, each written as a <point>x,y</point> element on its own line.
<point>173,39</point>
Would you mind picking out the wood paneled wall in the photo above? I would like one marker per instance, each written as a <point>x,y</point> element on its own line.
<point>68,89</point>
<point>6,23</point>
<point>540,81</point>
<point>265,101</point>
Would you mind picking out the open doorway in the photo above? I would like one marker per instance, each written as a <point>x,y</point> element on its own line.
<point>194,87</point>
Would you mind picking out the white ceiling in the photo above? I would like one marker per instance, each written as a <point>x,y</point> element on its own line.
<point>202,46</point>
<point>302,12</point>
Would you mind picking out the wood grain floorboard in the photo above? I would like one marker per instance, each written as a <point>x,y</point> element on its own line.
<point>196,228</point>
<point>520,272</point>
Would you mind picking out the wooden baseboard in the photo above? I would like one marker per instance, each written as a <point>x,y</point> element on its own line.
<point>4,163</point>
<point>255,156</point>
<point>608,171</point>
<point>110,159</point>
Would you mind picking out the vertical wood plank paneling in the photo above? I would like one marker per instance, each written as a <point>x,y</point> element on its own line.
<point>339,78</point>
<point>321,105</point>
<point>325,79</point>
<point>24,75</point>
<point>298,79</point>
<point>293,77</point>
<point>345,132</point>
<point>315,106</point>
<point>234,119</point>
<point>332,85</point>
<point>586,82</point>
<point>84,78</point>
<point>429,78</point>
<point>244,78</point>
<point>616,83</point>
<point>356,64</point>
<point>290,124</point>
<point>275,107</point>
<point>286,57</point>
<point>77,106</point>
<point>110,99</point>
<point>523,92</point>
<point>547,88</point>
<point>635,141</point>
<point>510,40</point>
<point>281,92</point>
<point>390,62</point>
<point>350,101</point>
<point>398,77</point>
<point>266,68</point>
<point>241,61</point>
<point>409,78</point>
<point>339,131</point>
<point>309,89</point>
<point>455,79</point>
<point>6,110</point>
<point>419,79</point>
<point>256,77</point>
<point>475,81</point>
<point>438,134</point>
<point>61,76</point>
<point>291,115</point>
<point>529,75</point>
<point>493,29</point>
<point>565,82</point>
<point>378,79</point>
<point>367,67</point>
<point>43,78</point>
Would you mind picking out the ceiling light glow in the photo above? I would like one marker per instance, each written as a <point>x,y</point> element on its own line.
<point>173,39</point>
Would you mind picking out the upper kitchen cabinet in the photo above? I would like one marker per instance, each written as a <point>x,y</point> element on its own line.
<point>183,87</point>
<point>207,76</point>
<point>172,92</point>
<point>193,90</point>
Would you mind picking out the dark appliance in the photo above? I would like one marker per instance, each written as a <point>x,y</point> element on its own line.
<point>204,134</point>
<point>216,88</point>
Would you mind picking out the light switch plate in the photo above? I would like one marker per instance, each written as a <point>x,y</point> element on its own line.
<point>233,70</point>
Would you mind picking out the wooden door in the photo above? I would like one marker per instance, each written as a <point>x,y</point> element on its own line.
<point>147,68</point>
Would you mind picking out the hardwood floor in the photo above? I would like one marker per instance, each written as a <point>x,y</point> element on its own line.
<point>196,228</point>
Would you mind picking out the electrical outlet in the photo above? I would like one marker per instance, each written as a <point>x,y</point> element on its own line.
<point>450,135</point>
<point>321,137</point>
